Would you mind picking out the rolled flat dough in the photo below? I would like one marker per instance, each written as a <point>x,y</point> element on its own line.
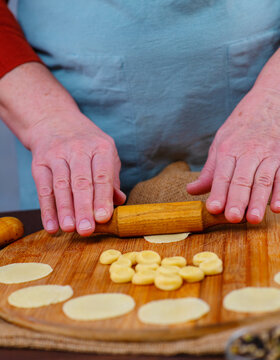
<point>164,239</point>
<point>40,295</point>
<point>21,272</point>
<point>277,278</point>
<point>172,311</point>
<point>98,306</point>
<point>253,299</point>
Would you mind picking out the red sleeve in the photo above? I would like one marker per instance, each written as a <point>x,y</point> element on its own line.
<point>14,48</point>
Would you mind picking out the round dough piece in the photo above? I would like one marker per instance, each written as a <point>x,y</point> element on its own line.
<point>109,256</point>
<point>174,261</point>
<point>116,266</point>
<point>22,272</point>
<point>122,274</point>
<point>165,239</point>
<point>124,261</point>
<point>144,277</point>
<point>172,311</point>
<point>40,295</point>
<point>140,267</point>
<point>212,267</point>
<point>253,300</point>
<point>131,256</point>
<point>148,257</point>
<point>191,274</point>
<point>204,256</point>
<point>168,282</point>
<point>98,306</point>
<point>277,278</point>
<point>168,270</point>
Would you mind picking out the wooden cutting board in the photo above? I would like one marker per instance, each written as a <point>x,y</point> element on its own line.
<point>251,256</point>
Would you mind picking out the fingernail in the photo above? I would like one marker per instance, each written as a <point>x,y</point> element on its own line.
<point>68,221</point>
<point>215,204</point>
<point>85,225</point>
<point>256,212</point>
<point>235,211</point>
<point>101,213</point>
<point>50,225</point>
<point>277,204</point>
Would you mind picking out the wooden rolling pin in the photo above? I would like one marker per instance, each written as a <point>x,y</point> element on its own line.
<point>155,219</point>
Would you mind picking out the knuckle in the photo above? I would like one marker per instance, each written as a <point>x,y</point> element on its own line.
<point>264,180</point>
<point>61,183</point>
<point>105,146</point>
<point>45,192</point>
<point>223,178</point>
<point>64,206</point>
<point>102,177</point>
<point>47,212</point>
<point>81,183</point>
<point>241,180</point>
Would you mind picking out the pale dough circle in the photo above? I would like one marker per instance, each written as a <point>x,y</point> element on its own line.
<point>172,311</point>
<point>40,295</point>
<point>98,306</point>
<point>140,267</point>
<point>191,273</point>
<point>144,277</point>
<point>148,257</point>
<point>253,300</point>
<point>115,266</point>
<point>109,256</point>
<point>122,274</point>
<point>174,261</point>
<point>168,282</point>
<point>212,267</point>
<point>277,278</point>
<point>164,239</point>
<point>131,256</point>
<point>22,272</point>
<point>168,270</point>
<point>124,261</point>
<point>204,256</point>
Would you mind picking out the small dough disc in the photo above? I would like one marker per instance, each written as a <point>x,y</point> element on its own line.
<point>168,282</point>
<point>191,273</point>
<point>98,306</point>
<point>109,256</point>
<point>144,277</point>
<point>140,267</point>
<point>212,267</point>
<point>253,300</point>
<point>148,257</point>
<point>22,272</point>
<point>277,278</point>
<point>131,256</point>
<point>168,270</point>
<point>204,256</point>
<point>174,261</point>
<point>122,274</point>
<point>172,311</point>
<point>40,295</point>
<point>165,239</point>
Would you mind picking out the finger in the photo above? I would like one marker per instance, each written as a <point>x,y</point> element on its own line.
<point>203,184</point>
<point>82,189</point>
<point>222,177</point>
<point>63,195</point>
<point>275,199</point>
<point>119,197</point>
<point>262,187</point>
<point>240,188</point>
<point>103,179</point>
<point>44,184</point>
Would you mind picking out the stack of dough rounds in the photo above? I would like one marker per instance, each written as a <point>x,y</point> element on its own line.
<point>166,239</point>
<point>22,272</point>
<point>41,295</point>
<point>166,274</point>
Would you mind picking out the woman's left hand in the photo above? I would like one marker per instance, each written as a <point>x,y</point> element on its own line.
<point>243,165</point>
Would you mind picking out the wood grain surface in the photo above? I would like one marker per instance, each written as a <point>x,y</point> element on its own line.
<point>250,254</point>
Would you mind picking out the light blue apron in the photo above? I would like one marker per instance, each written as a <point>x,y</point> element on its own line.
<point>159,76</point>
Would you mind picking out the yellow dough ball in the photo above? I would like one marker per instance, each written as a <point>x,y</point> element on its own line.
<point>204,256</point>
<point>141,267</point>
<point>169,282</point>
<point>191,273</point>
<point>174,261</point>
<point>212,267</point>
<point>109,256</point>
<point>144,277</point>
<point>122,274</point>
<point>131,256</point>
<point>168,270</point>
<point>148,257</point>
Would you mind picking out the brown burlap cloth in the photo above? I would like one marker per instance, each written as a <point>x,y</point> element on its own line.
<point>168,186</point>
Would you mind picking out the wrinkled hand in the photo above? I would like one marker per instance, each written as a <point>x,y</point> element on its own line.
<point>76,171</point>
<point>243,165</point>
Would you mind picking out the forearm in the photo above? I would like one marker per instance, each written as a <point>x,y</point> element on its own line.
<point>28,95</point>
